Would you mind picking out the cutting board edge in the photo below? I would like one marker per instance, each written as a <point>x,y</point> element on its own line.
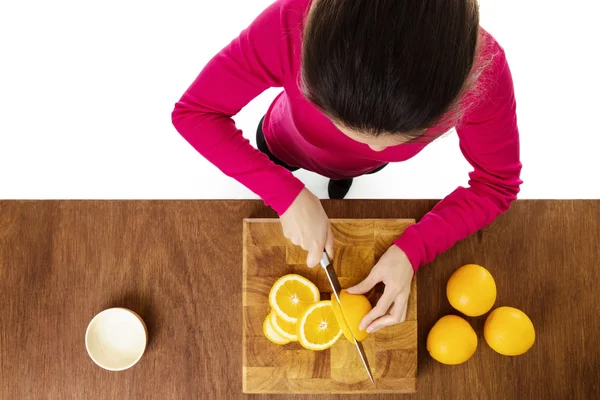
<point>273,220</point>
<point>355,392</point>
<point>348,392</point>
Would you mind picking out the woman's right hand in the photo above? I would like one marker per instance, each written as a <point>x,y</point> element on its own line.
<point>306,225</point>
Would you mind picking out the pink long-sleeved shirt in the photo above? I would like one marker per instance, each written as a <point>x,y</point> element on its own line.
<point>268,54</point>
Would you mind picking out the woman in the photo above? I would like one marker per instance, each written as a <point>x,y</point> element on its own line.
<point>366,82</point>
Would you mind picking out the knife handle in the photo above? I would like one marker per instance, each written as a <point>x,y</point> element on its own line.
<point>325,261</point>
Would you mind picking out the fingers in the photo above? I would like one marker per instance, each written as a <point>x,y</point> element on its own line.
<point>329,242</point>
<point>382,322</point>
<point>367,284</point>
<point>315,252</point>
<point>313,240</point>
<point>379,310</point>
<point>397,315</point>
<point>404,301</point>
<point>404,312</point>
<point>398,311</point>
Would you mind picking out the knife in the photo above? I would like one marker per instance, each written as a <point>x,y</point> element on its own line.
<point>337,288</point>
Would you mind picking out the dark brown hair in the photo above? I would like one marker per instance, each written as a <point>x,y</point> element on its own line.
<point>388,66</point>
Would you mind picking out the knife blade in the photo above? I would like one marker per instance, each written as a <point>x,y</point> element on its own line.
<point>337,288</point>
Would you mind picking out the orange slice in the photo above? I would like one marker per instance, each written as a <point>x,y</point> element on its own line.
<point>318,328</point>
<point>291,295</point>
<point>283,328</point>
<point>271,334</point>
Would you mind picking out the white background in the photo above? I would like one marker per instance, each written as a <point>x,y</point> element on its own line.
<point>87,90</point>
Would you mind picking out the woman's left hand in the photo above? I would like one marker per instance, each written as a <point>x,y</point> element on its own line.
<point>396,272</point>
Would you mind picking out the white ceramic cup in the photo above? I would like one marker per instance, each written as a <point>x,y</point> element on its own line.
<point>116,339</point>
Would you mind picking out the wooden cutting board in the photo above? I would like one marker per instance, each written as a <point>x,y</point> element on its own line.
<point>271,368</point>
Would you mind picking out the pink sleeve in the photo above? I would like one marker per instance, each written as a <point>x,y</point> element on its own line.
<point>249,65</point>
<point>489,140</point>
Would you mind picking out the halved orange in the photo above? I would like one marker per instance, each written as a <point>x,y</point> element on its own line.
<point>355,307</point>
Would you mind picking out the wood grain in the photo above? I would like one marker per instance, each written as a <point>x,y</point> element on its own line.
<point>393,351</point>
<point>178,264</point>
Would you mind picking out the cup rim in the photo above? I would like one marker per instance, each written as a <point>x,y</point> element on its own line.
<point>87,331</point>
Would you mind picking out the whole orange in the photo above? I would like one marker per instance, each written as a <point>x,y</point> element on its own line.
<point>509,331</point>
<point>451,340</point>
<point>471,290</point>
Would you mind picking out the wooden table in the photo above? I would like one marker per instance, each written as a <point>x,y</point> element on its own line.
<point>178,264</point>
